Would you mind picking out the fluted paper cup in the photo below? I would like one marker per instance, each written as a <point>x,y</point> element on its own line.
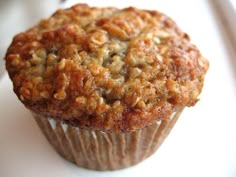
<point>100,150</point>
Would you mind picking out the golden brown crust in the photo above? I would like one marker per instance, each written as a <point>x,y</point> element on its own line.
<point>106,68</point>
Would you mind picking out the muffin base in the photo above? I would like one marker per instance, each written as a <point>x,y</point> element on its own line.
<point>99,150</point>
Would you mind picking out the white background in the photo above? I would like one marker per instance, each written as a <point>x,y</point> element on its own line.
<point>203,142</point>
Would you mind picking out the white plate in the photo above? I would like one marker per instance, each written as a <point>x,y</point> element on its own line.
<point>202,144</point>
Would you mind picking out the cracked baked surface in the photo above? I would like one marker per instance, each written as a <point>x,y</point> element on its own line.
<point>106,68</point>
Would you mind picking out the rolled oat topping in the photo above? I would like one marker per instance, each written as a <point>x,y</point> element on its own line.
<point>106,68</point>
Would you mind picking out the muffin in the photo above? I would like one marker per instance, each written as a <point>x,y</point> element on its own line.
<point>105,85</point>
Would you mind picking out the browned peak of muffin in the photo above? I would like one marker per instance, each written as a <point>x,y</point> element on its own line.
<point>106,68</point>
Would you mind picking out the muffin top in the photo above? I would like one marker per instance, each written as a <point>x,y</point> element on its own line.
<point>106,68</point>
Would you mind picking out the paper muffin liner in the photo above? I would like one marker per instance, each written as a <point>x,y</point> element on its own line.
<point>101,150</point>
